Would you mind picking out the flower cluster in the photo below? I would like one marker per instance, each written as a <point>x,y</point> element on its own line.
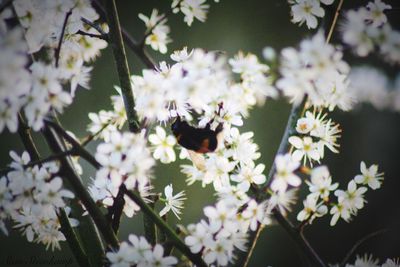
<point>348,201</point>
<point>367,28</point>
<point>39,88</point>
<point>31,197</point>
<point>226,228</point>
<point>318,71</point>
<point>201,82</point>
<point>139,252</point>
<point>308,11</point>
<point>371,85</point>
<point>317,132</point>
<point>125,159</point>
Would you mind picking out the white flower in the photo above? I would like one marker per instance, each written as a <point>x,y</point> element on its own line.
<point>339,211</point>
<point>312,209</point>
<point>194,9</point>
<point>163,145</point>
<point>181,55</point>
<point>158,38</point>
<point>220,216</point>
<point>255,213</point>
<point>249,174</point>
<point>174,203</point>
<point>369,176</point>
<point>156,258</point>
<point>217,171</point>
<point>122,257</point>
<point>199,236</point>
<point>353,198</point>
<point>307,11</point>
<point>282,200</point>
<point>321,183</point>
<point>284,176</point>
<point>376,12</point>
<point>306,149</point>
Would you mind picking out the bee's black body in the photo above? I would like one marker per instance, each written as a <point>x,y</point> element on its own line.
<point>200,140</point>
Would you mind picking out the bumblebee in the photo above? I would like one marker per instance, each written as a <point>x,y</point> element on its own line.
<point>200,140</point>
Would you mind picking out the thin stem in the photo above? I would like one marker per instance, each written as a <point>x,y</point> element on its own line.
<point>121,61</point>
<point>60,40</point>
<point>80,150</point>
<point>335,18</point>
<point>90,137</point>
<point>358,243</point>
<point>245,256</point>
<point>26,137</point>
<point>93,35</point>
<point>299,238</point>
<point>178,243</point>
<point>68,173</point>
<point>72,239</point>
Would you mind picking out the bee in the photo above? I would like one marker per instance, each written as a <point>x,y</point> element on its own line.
<point>199,140</point>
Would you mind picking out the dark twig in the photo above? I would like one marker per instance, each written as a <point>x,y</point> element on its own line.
<point>94,26</point>
<point>90,137</point>
<point>115,211</point>
<point>60,40</point>
<point>299,238</point>
<point>93,35</point>
<point>359,243</point>
<point>178,243</point>
<point>80,150</point>
<point>26,137</point>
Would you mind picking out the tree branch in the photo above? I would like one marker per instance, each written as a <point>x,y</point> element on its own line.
<point>178,243</point>
<point>121,62</point>
<point>72,239</point>
<point>245,256</point>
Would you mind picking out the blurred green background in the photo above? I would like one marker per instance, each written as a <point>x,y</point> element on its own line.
<point>233,25</point>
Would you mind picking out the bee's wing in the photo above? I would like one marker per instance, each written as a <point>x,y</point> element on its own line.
<point>198,160</point>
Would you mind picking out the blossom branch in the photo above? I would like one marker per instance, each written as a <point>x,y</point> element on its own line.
<point>93,35</point>
<point>72,239</point>
<point>58,50</point>
<point>358,243</point>
<point>178,243</point>
<point>68,173</point>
